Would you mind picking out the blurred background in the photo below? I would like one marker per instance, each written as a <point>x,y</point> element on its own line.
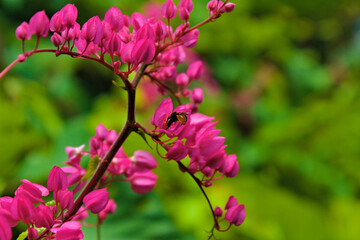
<point>283,81</point>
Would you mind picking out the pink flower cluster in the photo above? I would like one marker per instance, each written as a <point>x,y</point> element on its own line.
<point>235,213</point>
<point>28,206</point>
<point>197,139</point>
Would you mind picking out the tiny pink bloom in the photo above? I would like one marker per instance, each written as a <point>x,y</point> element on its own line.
<point>65,198</point>
<point>56,39</point>
<point>177,152</point>
<point>143,161</point>
<point>5,229</point>
<point>217,159</point>
<point>169,9</point>
<point>159,30</point>
<point>57,179</point>
<point>92,30</point>
<point>209,145</point>
<point>109,209</point>
<point>68,231</point>
<point>182,80</point>
<point>32,233</point>
<point>74,174</point>
<point>56,22</point>
<point>74,155</point>
<point>218,212</point>
<point>39,24</point>
<point>115,18</point>
<point>142,182</point>
<point>96,200</point>
<point>101,132</point>
<point>184,14</point>
<point>138,20</point>
<point>236,214</point>
<point>195,70</point>
<point>229,7</point>
<point>167,73</point>
<point>188,4</point>
<point>44,216</point>
<point>22,32</point>
<point>44,191</point>
<point>197,95</point>
<point>91,48</point>
<point>69,13</point>
<point>190,39</point>
<point>5,210</point>
<point>162,113</point>
<point>143,51</point>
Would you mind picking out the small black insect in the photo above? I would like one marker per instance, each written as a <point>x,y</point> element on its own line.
<point>175,116</point>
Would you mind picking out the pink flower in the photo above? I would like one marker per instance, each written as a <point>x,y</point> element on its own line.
<point>32,233</point>
<point>177,152</point>
<point>68,231</point>
<point>126,52</point>
<point>218,212</point>
<point>143,51</point>
<point>65,198</point>
<point>236,215</point>
<point>230,166</point>
<point>74,155</point>
<point>197,95</point>
<point>74,174</point>
<point>195,70</point>
<point>23,209</point>
<point>5,210</point>
<point>73,33</point>
<point>57,179</point>
<point>169,9</point>
<point>113,44</point>
<point>229,7</point>
<point>96,200</point>
<point>44,216</point>
<point>162,112</point>
<point>138,20</point>
<point>69,15</point>
<point>143,161</point>
<point>56,22</point>
<point>188,4</point>
<point>5,229</point>
<point>81,214</point>
<point>142,182</point>
<point>39,24</point>
<point>145,32</point>
<point>184,14</point>
<point>56,39</point>
<point>115,18</point>
<point>109,209</point>
<point>22,32</point>
<point>182,80</point>
<point>190,39</point>
<point>92,30</point>
<point>32,191</point>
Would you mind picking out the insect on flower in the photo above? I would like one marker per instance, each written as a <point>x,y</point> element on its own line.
<point>175,116</point>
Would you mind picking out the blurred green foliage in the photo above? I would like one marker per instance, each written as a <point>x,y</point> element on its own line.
<point>288,103</point>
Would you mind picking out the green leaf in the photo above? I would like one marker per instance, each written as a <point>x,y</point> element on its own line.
<point>22,236</point>
<point>143,136</point>
<point>91,167</point>
<point>50,203</point>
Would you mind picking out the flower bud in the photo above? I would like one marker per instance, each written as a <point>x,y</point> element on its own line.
<point>232,201</point>
<point>56,22</point>
<point>92,30</point>
<point>145,32</point>
<point>143,51</point>
<point>109,209</point>
<point>115,18</point>
<point>138,20</point>
<point>22,32</point>
<point>56,39</point>
<point>177,152</point>
<point>69,13</point>
<point>57,179</point>
<point>96,200</point>
<point>142,182</point>
<point>73,33</point>
<point>229,7</point>
<point>65,198</point>
<point>236,215</point>
<point>143,161</point>
<point>23,209</point>
<point>218,212</point>
<point>188,4</point>
<point>126,51</point>
<point>5,228</point>
<point>44,217</point>
<point>113,44</point>
<point>39,24</point>
<point>184,14</point>
<point>195,70</point>
<point>182,80</point>
<point>197,95</point>
<point>190,39</point>
<point>168,9</point>
<point>69,230</point>
<point>32,233</point>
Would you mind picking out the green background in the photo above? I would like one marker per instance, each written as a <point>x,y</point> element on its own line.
<point>286,96</point>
